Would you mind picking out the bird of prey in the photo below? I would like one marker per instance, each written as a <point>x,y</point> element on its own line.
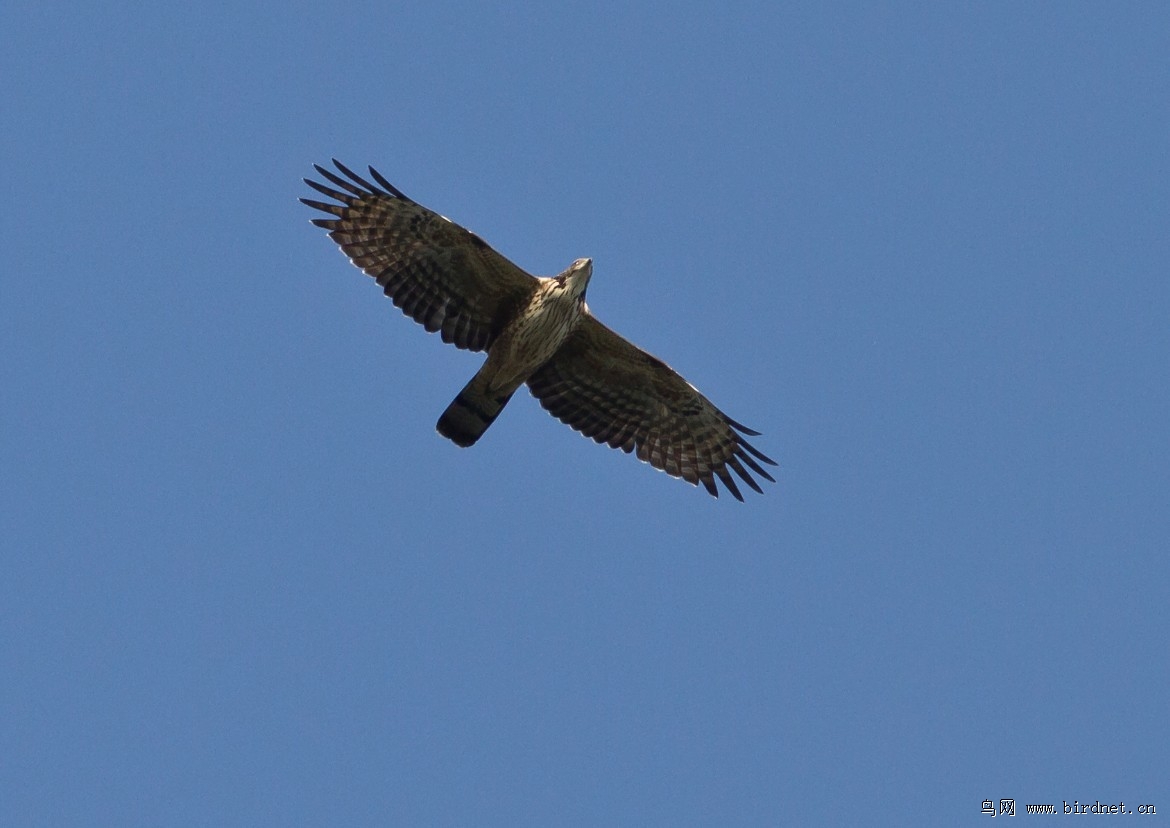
<point>535,330</point>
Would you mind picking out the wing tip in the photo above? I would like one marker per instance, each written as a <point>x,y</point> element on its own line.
<point>748,432</point>
<point>729,482</point>
<point>740,427</point>
<point>385,189</point>
<point>390,188</point>
<point>755,451</point>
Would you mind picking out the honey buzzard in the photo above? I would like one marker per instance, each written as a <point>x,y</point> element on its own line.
<point>535,330</point>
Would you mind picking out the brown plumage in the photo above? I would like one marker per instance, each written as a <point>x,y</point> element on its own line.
<point>536,331</point>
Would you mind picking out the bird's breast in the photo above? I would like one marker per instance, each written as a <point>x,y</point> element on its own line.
<point>536,333</point>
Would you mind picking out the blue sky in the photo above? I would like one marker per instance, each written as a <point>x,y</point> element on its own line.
<point>922,247</point>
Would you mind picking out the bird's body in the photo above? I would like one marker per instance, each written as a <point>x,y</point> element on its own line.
<point>537,331</point>
<point>524,345</point>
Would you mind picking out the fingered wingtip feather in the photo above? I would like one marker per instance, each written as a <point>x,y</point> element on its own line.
<point>390,188</point>
<point>352,175</point>
<point>759,454</point>
<point>332,209</point>
<point>346,170</point>
<point>740,427</point>
<point>756,467</point>
<point>334,194</point>
<point>340,182</point>
<point>729,482</point>
<point>747,478</point>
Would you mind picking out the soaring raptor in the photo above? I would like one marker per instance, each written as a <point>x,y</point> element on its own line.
<point>535,330</point>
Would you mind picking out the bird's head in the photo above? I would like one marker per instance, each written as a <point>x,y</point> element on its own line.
<point>576,278</point>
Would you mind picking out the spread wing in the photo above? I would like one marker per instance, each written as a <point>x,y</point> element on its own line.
<point>442,276</point>
<point>614,392</point>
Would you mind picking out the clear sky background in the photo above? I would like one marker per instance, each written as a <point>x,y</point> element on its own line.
<point>922,247</point>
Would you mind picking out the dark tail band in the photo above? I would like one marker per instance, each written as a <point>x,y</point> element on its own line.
<point>468,417</point>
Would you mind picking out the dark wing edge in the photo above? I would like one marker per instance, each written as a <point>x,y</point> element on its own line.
<point>356,194</point>
<point>611,391</point>
<point>441,275</point>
